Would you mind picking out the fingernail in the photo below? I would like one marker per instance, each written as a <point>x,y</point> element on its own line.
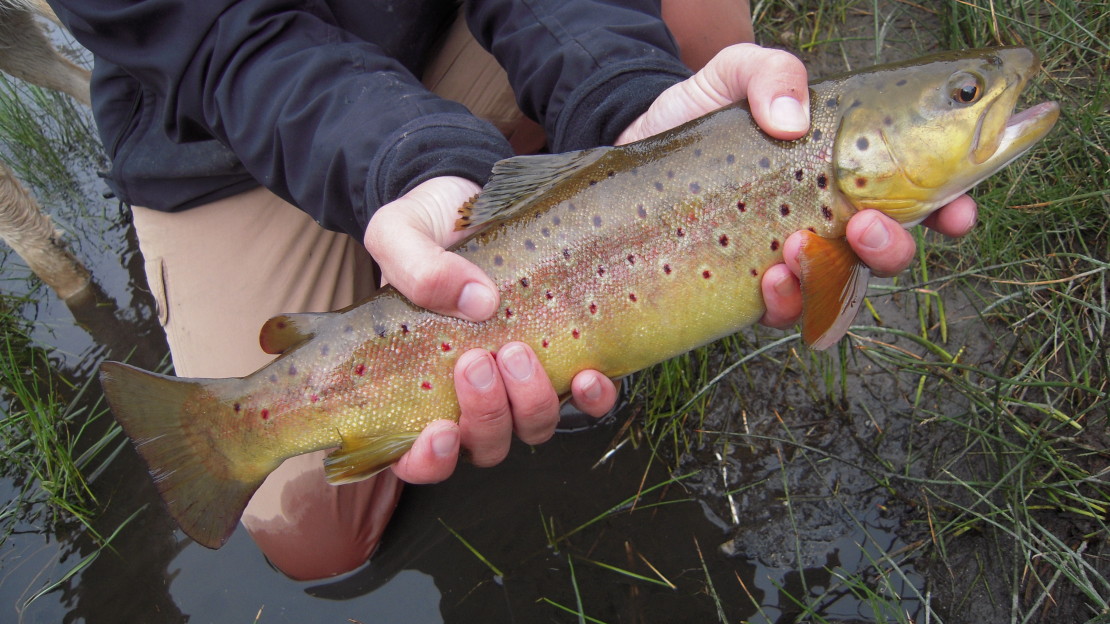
<point>517,362</point>
<point>786,287</point>
<point>591,389</point>
<point>875,236</point>
<point>787,114</point>
<point>477,301</point>
<point>446,442</point>
<point>479,373</point>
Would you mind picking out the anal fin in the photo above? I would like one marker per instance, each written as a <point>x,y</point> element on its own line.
<point>363,457</point>
<point>834,283</point>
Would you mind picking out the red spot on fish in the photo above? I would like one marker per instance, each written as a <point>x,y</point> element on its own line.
<point>524,282</point>
<point>741,206</point>
<point>545,343</point>
<point>574,333</point>
<point>812,229</point>
<point>632,297</point>
<point>861,182</point>
<point>281,324</point>
<point>445,346</point>
<point>723,240</point>
<point>508,312</point>
<point>667,269</point>
<point>314,398</point>
<point>549,295</point>
<point>774,245</point>
<point>706,274</point>
<point>680,232</point>
<point>360,370</point>
<point>265,414</point>
<point>601,270</point>
<point>566,254</point>
<point>631,259</point>
<point>236,407</point>
<point>427,385</point>
<point>755,273</point>
<point>593,308</point>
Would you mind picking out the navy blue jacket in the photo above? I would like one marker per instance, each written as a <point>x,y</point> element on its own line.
<point>320,100</point>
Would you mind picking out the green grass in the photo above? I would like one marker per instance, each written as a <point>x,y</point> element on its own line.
<point>1003,482</point>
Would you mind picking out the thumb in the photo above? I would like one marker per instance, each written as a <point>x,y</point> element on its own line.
<point>407,237</point>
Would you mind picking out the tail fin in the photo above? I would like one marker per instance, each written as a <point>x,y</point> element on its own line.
<point>205,493</point>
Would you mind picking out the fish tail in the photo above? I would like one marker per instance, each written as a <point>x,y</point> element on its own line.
<point>205,491</point>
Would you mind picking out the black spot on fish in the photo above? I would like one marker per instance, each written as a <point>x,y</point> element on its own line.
<point>775,245</point>
<point>862,144</point>
<point>901,83</point>
<point>379,329</point>
<point>695,188</point>
<point>597,220</point>
<point>887,121</point>
<point>755,273</point>
<point>555,220</point>
<point>600,270</point>
<point>730,159</point>
<point>404,328</point>
<point>292,370</point>
<point>680,232</point>
<point>861,182</point>
<point>571,207</point>
<point>822,181</point>
<point>592,182</point>
<point>566,253</point>
<point>697,152</point>
<point>631,259</point>
<point>611,173</point>
<point>549,295</point>
<point>741,206</point>
<point>348,329</point>
<point>723,240</point>
<point>798,175</point>
<point>641,211</point>
<point>855,104</point>
<point>498,260</point>
<point>817,134</point>
<point>670,174</point>
<point>667,269</point>
<point>236,407</point>
<point>529,245</point>
<point>832,102</point>
<point>784,210</point>
<point>325,348</point>
<point>827,213</point>
<point>546,232</point>
<point>524,282</point>
<point>659,186</point>
<point>765,162</point>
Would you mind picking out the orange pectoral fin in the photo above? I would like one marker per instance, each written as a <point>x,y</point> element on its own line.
<point>834,282</point>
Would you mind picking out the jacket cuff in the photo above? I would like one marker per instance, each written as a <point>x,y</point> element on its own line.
<point>598,111</point>
<point>448,145</point>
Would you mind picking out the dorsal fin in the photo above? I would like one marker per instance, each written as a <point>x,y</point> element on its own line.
<point>285,331</point>
<point>519,179</point>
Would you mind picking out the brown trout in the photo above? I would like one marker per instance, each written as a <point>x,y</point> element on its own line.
<point>612,258</point>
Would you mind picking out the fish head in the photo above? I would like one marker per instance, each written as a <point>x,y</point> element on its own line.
<point>914,136</point>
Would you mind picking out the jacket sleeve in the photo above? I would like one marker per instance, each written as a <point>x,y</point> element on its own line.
<point>584,68</point>
<point>325,120</point>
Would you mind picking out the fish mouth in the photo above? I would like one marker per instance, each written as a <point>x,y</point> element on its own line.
<point>1002,135</point>
<point>1025,128</point>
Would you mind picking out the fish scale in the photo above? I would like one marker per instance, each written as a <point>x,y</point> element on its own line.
<point>610,259</point>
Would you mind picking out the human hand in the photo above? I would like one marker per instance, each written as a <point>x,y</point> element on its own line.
<point>497,395</point>
<point>774,83</point>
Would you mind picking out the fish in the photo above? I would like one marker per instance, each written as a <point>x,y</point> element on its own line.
<point>612,258</point>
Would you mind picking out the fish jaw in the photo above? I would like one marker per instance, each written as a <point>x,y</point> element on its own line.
<point>948,127</point>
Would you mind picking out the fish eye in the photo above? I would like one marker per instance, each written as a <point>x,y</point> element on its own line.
<point>966,88</point>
